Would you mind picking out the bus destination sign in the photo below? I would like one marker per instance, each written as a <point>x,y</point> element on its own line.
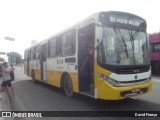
<point>114,19</point>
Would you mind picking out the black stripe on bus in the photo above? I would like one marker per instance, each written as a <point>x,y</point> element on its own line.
<point>72,59</point>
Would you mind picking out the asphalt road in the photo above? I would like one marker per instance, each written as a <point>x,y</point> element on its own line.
<point>42,97</point>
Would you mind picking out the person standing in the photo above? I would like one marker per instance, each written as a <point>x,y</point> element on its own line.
<point>12,73</point>
<point>12,68</point>
<point>6,78</point>
<point>90,60</point>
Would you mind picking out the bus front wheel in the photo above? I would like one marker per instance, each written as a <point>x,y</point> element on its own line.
<point>68,86</point>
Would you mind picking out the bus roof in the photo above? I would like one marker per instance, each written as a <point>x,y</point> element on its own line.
<point>94,17</point>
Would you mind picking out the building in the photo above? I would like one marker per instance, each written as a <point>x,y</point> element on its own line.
<point>155,53</point>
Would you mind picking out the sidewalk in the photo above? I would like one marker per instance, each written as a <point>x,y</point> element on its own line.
<point>5,104</point>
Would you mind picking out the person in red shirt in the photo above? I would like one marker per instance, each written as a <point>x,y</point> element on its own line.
<point>91,59</point>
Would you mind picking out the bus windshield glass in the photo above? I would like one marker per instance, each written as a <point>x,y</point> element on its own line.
<point>123,47</point>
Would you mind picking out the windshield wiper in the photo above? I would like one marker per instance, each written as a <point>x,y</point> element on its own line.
<point>120,36</point>
<point>132,38</point>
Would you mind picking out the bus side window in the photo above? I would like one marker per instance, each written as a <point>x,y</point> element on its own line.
<point>59,46</point>
<point>52,49</point>
<point>44,52</point>
<point>32,54</point>
<point>68,43</point>
<point>73,44</point>
<point>37,52</point>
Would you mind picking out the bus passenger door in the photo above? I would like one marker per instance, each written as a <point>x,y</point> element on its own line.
<point>28,64</point>
<point>43,62</point>
<point>85,60</point>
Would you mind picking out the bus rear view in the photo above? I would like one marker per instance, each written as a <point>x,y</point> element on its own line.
<point>122,68</point>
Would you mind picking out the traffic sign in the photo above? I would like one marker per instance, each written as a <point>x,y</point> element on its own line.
<point>9,38</point>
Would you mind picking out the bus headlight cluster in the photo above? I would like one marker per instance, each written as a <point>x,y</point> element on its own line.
<point>109,80</point>
<point>123,83</point>
<point>148,79</point>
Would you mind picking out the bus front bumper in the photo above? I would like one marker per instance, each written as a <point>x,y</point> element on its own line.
<point>108,92</point>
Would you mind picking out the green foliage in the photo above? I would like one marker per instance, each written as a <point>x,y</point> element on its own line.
<point>1,59</point>
<point>14,58</point>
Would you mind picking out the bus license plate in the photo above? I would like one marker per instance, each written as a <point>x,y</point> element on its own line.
<point>136,90</point>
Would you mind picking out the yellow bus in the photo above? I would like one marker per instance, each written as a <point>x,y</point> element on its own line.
<point>105,56</point>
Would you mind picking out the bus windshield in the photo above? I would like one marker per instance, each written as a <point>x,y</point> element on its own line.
<point>123,47</point>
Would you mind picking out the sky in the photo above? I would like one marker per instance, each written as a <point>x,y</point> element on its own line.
<point>27,20</point>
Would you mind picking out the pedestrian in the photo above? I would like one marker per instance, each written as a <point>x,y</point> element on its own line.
<point>90,60</point>
<point>12,73</point>
<point>6,84</point>
<point>12,68</point>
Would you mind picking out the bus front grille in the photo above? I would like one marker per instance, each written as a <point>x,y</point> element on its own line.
<point>132,70</point>
<point>134,82</point>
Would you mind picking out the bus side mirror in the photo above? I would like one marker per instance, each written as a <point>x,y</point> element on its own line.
<point>98,36</point>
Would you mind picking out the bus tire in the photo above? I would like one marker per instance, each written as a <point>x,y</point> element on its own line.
<point>68,86</point>
<point>33,76</point>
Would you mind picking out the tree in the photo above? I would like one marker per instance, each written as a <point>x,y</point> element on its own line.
<point>14,58</point>
<point>1,59</point>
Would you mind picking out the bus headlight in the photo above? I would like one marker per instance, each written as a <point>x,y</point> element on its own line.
<point>109,80</point>
<point>112,81</point>
<point>148,79</point>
